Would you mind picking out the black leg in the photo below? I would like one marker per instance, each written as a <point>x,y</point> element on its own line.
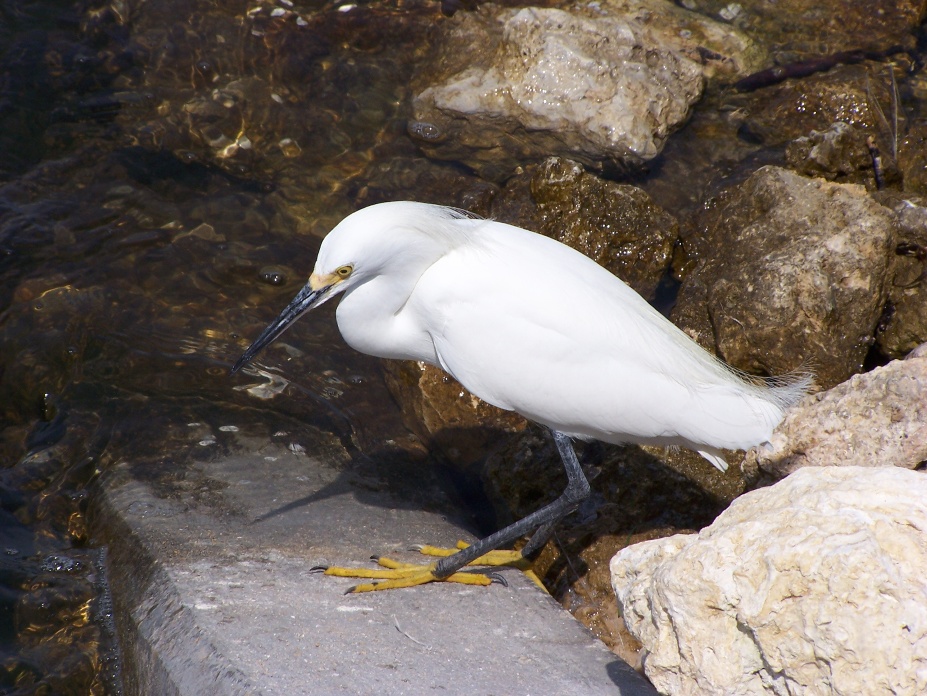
<point>543,520</point>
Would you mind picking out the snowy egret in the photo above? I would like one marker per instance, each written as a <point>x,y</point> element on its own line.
<point>532,326</point>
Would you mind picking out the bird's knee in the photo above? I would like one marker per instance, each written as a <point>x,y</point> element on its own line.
<point>577,491</point>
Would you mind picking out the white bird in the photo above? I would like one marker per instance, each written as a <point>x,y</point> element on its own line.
<point>532,326</point>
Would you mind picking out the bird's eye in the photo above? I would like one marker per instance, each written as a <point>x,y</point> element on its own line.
<point>344,271</point>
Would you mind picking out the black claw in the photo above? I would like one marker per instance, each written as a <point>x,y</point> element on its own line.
<point>375,558</point>
<point>416,547</point>
<point>497,577</point>
<point>318,569</point>
<point>351,589</point>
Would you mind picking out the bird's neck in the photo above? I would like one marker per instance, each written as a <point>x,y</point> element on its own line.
<point>372,319</point>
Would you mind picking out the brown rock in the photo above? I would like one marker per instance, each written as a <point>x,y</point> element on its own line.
<point>441,412</point>
<point>805,27</point>
<point>790,272</point>
<point>618,226</point>
<point>795,108</point>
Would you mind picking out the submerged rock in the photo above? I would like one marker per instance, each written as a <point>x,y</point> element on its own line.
<point>600,83</point>
<point>874,419</point>
<point>789,272</point>
<point>794,108</point>
<point>815,585</point>
<point>838,152</point>
<point>793,27</point>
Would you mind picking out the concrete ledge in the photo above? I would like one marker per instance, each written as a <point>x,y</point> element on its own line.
<point>212,596</point>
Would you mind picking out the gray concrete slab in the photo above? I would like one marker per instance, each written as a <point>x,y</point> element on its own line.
<point>212,596</point>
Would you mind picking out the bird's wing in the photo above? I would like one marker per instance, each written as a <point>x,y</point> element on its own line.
<point>531,326</point>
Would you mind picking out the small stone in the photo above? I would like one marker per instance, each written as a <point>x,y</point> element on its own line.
<point>289,147</point>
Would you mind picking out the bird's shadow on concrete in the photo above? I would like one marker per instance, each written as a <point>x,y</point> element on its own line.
<point>636,494</point>
<point>395,478</point>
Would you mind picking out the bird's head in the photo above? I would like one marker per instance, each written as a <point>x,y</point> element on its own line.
<point>401,238</point>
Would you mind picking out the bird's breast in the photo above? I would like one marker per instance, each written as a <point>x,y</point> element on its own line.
<point>374,325</point>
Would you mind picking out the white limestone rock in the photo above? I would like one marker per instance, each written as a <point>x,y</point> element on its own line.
<point>816,585</point>
<point>597,82</point>
<point>874,419</point>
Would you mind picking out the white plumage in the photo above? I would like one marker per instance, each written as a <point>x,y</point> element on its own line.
<point>533,326</point>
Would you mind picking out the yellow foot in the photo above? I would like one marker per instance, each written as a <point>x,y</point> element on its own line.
<point>497,558</point>
<point>395,574</point>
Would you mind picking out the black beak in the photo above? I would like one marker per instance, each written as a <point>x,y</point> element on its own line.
<point>306,299</point>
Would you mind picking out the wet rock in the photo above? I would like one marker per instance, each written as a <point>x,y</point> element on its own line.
<point>799,28</point>
<point>603,83</point>
<point>795,108</point>
<point>814,585</point>
<point>912,159</point>
<point>525,474</point>
<point>875,419</point>
<point>789,272</point>
<point>838,152</point>
<point>904,324</point>
<point>617,225</point>
<point>441,412</point>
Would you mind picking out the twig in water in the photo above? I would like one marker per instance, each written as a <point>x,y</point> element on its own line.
<point>566,556</point>
<point>896,100</point>
<point>889,126</point>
